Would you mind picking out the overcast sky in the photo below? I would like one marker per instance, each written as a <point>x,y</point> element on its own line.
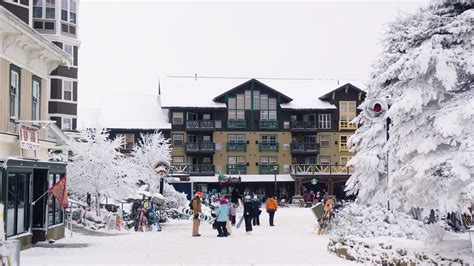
<point>127,46</point>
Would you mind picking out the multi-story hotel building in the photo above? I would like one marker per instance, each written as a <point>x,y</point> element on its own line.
<point>261,130</point>
<point>26,61</point>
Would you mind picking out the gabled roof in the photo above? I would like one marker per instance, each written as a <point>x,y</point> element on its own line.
<point>200,92</point>
<point>328,95</point>
<point>283,97</point>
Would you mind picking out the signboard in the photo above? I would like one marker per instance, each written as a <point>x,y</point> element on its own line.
<point>162,169</point>
<point>314,181</point>
<point>29,137</point>
<point>227,179</point>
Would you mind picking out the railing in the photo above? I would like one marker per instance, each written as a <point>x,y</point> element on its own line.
<point>303,125</point>
<point>179,170</point>
<point>202,169</point>
<point>347,125</point>
<point>343,147</point>
<point>268,146</point>
<point>200,124</point>
<point>236,124</point>
<point>266,169</point>
<point>304,147</point>
<point>236,146</point>
<point>320,169</point>
<point>235,169</point>
<point>201,147</point>
<point>268,124</point>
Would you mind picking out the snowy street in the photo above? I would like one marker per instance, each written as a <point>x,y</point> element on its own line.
<point>292,240</point>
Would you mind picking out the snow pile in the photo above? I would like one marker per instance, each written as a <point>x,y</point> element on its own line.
<point>373,221</point>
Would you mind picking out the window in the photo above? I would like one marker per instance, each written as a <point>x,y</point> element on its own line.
<point>177,118</point>
<point>268,108</point>
<point>67,90</point>
<point>129,140</point>
<point>72,11</point>
<point>67,123</point>
<point>325,160</point>
<point>50,9</point>
<point>233,138</point>
<point>325,141</point>
<point>14,92</point>
<point>236,108</point>
<point>178,159</point>
<point>55,215</point>
<point>344,160</point>
<point>36,99</point>
<point>69,49</point>
<point>18,204</point>
<point>38,8</point>
<point>236,160</point>
<point>347,112</point>
<point>343,143</point>
<point>268,138</point>
<point>248,100</point>
<point>206,160</point>
<point>256,100</point>
<point>191,116</point>
<point>206,138</point>
<point>269,160</point>
<point>240,102</point>
<point>206,117</point>
<point>178,140</point>
<point>325,121</point>
<point>64,10</point>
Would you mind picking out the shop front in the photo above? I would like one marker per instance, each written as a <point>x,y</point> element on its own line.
<point>31,214</point>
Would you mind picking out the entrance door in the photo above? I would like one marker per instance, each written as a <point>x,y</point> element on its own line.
<point>40,186</point>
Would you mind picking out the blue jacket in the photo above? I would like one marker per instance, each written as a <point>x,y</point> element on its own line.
<point>222,213</point>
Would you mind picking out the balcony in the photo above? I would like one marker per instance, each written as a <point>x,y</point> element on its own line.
<point>236,124</point>
<point>200,147</point>
<point>268,146</point>
<point>320,169</point>
<point>200,125</point>
<point>179,170</point>
<point>236,146</point>
<point>343,147</point>
<point>236,169</point>
<point>267,169</point>
<point>202,169</point>
<point>268,124</point>
<point>347,125</point>
<point>304,147</point>
<point>303,126</point>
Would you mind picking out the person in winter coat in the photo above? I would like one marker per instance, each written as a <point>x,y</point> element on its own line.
<point>317,199</point>
<point>222,214</point>
<point>196,204</point>
<point>256,203</point>
<point>248,214</point>
<point>232,212</point>
<point>272,207</point>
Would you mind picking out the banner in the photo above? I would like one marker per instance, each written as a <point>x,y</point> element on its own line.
<point>59,192</point>
<point>29,138</point>
<point>228,179</point>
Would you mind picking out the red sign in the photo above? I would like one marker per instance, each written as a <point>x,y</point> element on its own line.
<point>29,138</point>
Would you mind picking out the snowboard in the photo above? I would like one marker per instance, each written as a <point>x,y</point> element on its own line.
<point>318,210</point>
<point>240,222</point>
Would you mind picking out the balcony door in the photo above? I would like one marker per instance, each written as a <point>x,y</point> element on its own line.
<point>192,139</point>
<point>309,118</point>
<point>192,116</point>
<point>309,139</point>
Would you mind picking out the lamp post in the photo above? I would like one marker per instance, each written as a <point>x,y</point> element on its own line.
<point>275,170</point>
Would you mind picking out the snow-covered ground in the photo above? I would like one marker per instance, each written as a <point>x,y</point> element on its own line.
<point>292,240</point>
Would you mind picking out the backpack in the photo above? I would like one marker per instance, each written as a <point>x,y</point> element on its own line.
<point>191,204</point>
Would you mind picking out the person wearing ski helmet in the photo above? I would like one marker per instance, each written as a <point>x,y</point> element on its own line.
<point>248,214</point>
<point>196,204</point>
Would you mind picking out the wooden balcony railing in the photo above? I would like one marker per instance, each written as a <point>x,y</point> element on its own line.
<point>268,124</point>
<point>236,146</point>
<point>202,169</point>
<point>235,169</point>
<point>346,125</point>
<point>266,169</point>
<point>320,169</point>
<point>268,146</point>
<point>304,147</point>
<point>236,124</point>
<point>200,147</point>
<point>200,125</point>
<point>303,126</point>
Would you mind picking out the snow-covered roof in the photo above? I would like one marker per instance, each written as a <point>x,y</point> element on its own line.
<point>245,178</point>
<point>181,91</point>
<point>132,111</point>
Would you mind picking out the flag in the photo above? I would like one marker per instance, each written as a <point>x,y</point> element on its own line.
<point>59,192</point>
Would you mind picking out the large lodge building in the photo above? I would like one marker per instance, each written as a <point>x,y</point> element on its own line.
<point>256,129</point>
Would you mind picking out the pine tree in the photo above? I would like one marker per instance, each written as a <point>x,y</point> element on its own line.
<point>427,69</point>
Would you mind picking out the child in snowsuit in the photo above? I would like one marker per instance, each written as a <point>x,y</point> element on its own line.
<point>232,212</point>
<point>256,204</point>
<point>222,214</point>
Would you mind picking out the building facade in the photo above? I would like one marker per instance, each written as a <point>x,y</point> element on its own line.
<point>283,135</point>
<point>26,60</point>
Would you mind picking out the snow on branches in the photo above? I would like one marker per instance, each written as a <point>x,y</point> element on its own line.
<point>427,69</point>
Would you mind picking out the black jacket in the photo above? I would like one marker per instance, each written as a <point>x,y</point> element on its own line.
<point>248,208</point>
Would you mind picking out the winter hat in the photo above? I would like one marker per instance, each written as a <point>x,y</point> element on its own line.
<point>199,194</point>
<point>247,197</point>
<point>223,201</point>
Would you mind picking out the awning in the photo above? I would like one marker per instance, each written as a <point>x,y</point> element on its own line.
<point>244,178</point>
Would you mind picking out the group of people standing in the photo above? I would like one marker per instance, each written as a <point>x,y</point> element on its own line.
<point>227,212</point>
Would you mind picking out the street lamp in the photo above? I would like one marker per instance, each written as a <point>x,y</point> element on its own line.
<point>275,171</point>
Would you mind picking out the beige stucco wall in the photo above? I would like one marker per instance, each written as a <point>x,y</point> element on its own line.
<point>8,130</point>
<point>333,150</point>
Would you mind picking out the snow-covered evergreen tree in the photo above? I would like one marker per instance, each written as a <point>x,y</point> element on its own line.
<point>427,68</point>
<point>96,165</point>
